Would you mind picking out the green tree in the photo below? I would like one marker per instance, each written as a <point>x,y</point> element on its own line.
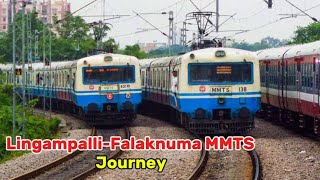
<point>307,34</point>
<point>165,51</point>
<point>135,51</point>
<point>110,44</point>
<point>265,43</point>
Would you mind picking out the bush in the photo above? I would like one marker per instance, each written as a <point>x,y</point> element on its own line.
<point>36,127</point>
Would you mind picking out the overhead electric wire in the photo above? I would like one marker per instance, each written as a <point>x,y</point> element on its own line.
<point>169,6</point>
<point>84,7</point>
<point>313,18</point>
<point>245,31</point>
<point>77,10</point>
<point>129,34</point>
<point>200,11</point>
<point>208,5</point>
<point>151,24</point>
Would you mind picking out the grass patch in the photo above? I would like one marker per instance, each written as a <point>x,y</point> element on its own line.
<point>36,127</point>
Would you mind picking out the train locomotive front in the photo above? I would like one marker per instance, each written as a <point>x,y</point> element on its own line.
<point>108,89</point>
<point>223,90</point>
<point>209,91</point>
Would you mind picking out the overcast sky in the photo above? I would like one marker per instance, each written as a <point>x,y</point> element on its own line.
<point>251,15</point>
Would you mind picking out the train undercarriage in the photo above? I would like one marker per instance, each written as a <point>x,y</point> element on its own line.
<point>94,118</point>
<point>290,119</point>
<point>199,126</point>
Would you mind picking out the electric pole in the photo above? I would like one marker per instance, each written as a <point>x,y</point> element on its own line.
<point>171,30</point>
<point>217,16</point>
<point>23,70</point>
<point>14,71</point>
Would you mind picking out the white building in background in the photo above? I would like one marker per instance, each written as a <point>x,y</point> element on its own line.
<point>147,47</point>
<point>59,8</point>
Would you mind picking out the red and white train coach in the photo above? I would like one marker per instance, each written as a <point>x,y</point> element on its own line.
<point>290,82</point>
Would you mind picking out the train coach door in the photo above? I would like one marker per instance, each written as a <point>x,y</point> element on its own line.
<point>267,63</point>
<point>316,85</point>
<point>299,83</point>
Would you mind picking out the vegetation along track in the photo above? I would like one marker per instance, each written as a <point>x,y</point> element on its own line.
<point>51,165</point>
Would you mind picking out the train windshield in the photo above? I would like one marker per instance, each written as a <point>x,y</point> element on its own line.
<point>219,73</point>
<point>108,75</point>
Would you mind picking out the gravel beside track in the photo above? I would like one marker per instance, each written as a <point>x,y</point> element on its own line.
<point>80,163</point>
<point>180,164</point>
<point>284,154</point>
<point>30,161</point>
<point>228,165</point>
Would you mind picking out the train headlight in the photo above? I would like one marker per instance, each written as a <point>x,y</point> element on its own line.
<point>128,95</point>
<point>244,113</point>
<point>108,58</point>
<point>127,106</point>
<point>221,100</point>
<point>192,56</point>
<point>200,113</point>
<point>220,53</point>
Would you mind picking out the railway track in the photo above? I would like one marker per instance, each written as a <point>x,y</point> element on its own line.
<point>42,169</point>
<point>256,165</point>
<point>255,162</point>
<point>77,165</point>
<point>94,169</point>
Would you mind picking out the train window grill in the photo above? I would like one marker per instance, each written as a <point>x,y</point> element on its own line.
<point>163,79</point>
<point>154,78</point>
<point>167,79</point>
<point>159,79</point>
<point>143,77</point>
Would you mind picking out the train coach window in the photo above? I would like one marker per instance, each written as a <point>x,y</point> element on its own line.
<point>215,73</point>
<point>105,75</point>
<point>143,75</point>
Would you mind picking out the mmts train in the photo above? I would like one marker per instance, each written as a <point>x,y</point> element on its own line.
<point>290,80</point>
<point>104,89</point>
<point>209,91</point>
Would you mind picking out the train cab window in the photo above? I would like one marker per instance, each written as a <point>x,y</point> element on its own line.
<point>217,73</point>
<point>109,74</point>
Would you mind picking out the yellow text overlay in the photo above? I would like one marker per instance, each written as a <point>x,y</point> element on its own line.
<point>158,163</point>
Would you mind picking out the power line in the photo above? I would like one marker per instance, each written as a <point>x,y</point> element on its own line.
<point>313,18</point>
<point>148,30</point>
<point>84,7</point>
<point>77,10</point>
<point>170,6</point>
<point>208,5</point>
<point>201,11</point>
<point>151,24</point>
<point>245,31</point>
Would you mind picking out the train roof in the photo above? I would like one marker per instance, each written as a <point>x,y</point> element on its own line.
<point>199,54</point>
<point>162,61</point>
<point>290,51</point>
<point>69,64</point>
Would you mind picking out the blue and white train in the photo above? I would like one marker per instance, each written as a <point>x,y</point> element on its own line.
<point>104,89</point>
<point>209,91</point>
